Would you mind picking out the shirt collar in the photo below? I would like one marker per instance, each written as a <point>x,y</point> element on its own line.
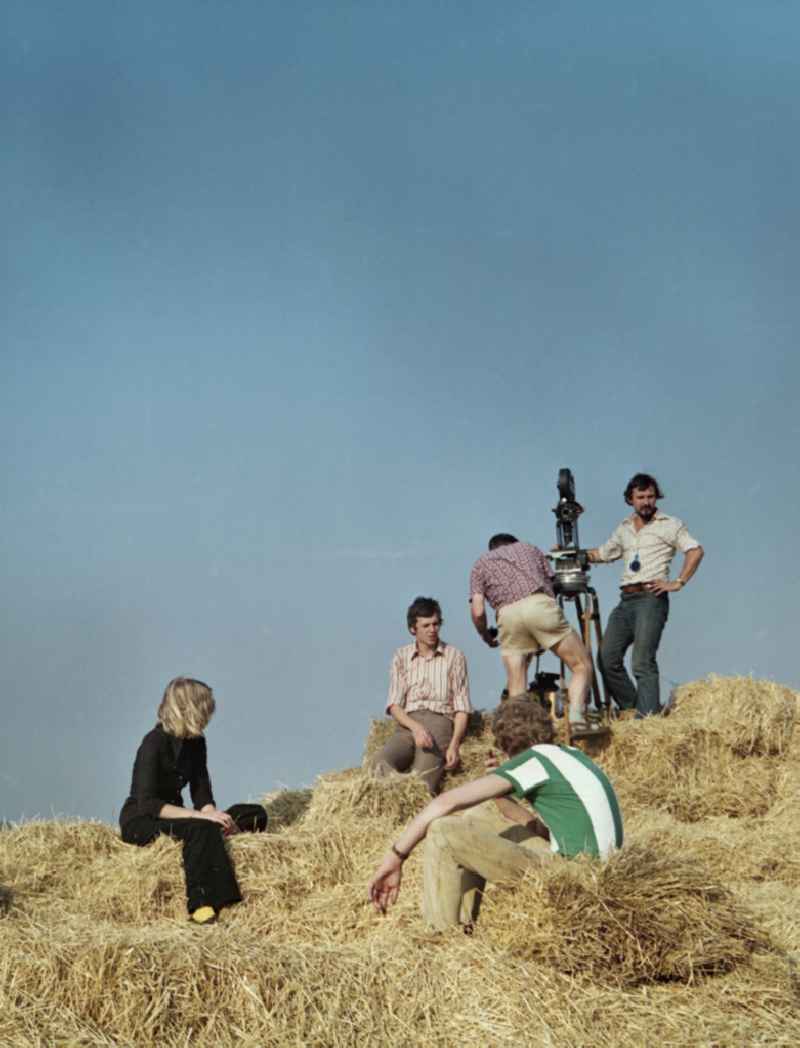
<point>658,515</point>
<point>439,649</point>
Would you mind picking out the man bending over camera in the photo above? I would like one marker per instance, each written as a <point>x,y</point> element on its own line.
<point>517,581</point>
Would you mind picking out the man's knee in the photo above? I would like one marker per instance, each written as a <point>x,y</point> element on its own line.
<point>642,665</point>
<point>435,832</point>
<point>395,756</point>
<point>440,831</point>
<point>380,767</point>
<point>610,656</point>
<point>585,664</point>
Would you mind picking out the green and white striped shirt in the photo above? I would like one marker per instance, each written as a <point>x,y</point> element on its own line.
<point>571,795</point>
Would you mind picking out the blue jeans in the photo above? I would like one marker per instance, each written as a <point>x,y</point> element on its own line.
<point>638,619</point>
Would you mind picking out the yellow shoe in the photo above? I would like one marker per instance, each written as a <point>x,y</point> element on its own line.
<point>204,915</point>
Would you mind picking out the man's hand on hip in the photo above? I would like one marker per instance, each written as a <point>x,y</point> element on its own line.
<point>659,586</point>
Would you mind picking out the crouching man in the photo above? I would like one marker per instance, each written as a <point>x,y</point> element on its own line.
<point>428,699</point>
<point>575,803</point>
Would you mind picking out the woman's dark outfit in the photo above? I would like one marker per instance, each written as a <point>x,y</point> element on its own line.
<point>164,765</point>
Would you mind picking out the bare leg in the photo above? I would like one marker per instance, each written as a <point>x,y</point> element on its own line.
<point>572,652</point>
<point>516,664</point>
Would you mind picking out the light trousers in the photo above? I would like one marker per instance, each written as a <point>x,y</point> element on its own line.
<point>463,852</point>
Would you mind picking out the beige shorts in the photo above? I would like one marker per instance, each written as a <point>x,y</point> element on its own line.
<point>530,624</point>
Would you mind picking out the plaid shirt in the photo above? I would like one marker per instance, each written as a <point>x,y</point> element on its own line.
<point>438,684</point>
<point>510,573</point>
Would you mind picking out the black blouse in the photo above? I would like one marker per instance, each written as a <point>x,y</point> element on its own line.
<point>164,765</point>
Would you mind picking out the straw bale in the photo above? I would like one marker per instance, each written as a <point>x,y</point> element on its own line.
<point>180,988</point>
<point>747,849</point>
<point>751,716</point>
<point>644,916</point>
<point>49,853</point>
<point>278,874</point>
<point>170,985</point>
<point>95,948</point>
<point>136,886</point>
<point>285,807</point>
<point>787,789</point>
<point>395,799</point>
<point>774,905</point>
<point>687,771</point>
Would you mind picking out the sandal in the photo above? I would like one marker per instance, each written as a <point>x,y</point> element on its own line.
<point>580,729</point>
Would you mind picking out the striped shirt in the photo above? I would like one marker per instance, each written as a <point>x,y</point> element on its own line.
<point>653,546</point>
<point>438,683</point>
<point>511,573</point>
<point>571,795</point>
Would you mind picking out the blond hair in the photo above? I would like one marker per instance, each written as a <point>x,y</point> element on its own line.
<point>186,707</point>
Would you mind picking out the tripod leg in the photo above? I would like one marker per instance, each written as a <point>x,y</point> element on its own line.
<point>587,615</point>
<point>598,629</point>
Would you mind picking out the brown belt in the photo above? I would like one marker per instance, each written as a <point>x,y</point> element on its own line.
<point>635,587</point>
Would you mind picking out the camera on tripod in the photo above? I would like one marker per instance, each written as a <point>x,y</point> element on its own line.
<point>570,562</point>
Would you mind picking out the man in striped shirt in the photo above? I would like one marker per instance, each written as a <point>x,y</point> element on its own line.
<point>575,808</point>
<point>429,700</point>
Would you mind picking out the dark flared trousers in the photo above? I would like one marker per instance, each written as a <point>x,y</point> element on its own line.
<point>210,880</point>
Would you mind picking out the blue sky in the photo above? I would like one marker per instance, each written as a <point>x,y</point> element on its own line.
<point>300,303</point>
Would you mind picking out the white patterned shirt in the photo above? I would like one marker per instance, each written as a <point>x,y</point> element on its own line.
<point>439,683</point>
<point>654,545</point>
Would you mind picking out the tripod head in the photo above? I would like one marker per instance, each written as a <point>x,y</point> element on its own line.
<point>571,562</point>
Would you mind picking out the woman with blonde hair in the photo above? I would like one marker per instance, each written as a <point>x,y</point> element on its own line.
<point>171,756</point>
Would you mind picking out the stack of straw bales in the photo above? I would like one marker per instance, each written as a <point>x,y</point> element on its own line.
<point>690,935</point>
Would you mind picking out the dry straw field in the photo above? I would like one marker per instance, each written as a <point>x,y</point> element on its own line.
<point>689,936</point>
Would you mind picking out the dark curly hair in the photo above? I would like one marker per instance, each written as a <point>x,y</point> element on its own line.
<point>519,724</point>
<point>640,482</point>
<point>422,608</point>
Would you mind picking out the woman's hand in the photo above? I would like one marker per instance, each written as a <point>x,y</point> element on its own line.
<point>222,819</point>
<point>385,885</point>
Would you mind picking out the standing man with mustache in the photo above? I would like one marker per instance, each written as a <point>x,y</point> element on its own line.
<point>646,541</point>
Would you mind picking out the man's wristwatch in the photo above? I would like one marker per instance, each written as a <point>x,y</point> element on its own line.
<point>681,582</point>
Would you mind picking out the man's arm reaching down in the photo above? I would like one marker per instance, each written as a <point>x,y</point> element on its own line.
<point>477,607</point>
<point>385,885</point>
<point>459,731</point>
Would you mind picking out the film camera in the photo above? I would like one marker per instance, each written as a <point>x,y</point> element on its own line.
<point>571,563</point>
<point>571,583</point>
